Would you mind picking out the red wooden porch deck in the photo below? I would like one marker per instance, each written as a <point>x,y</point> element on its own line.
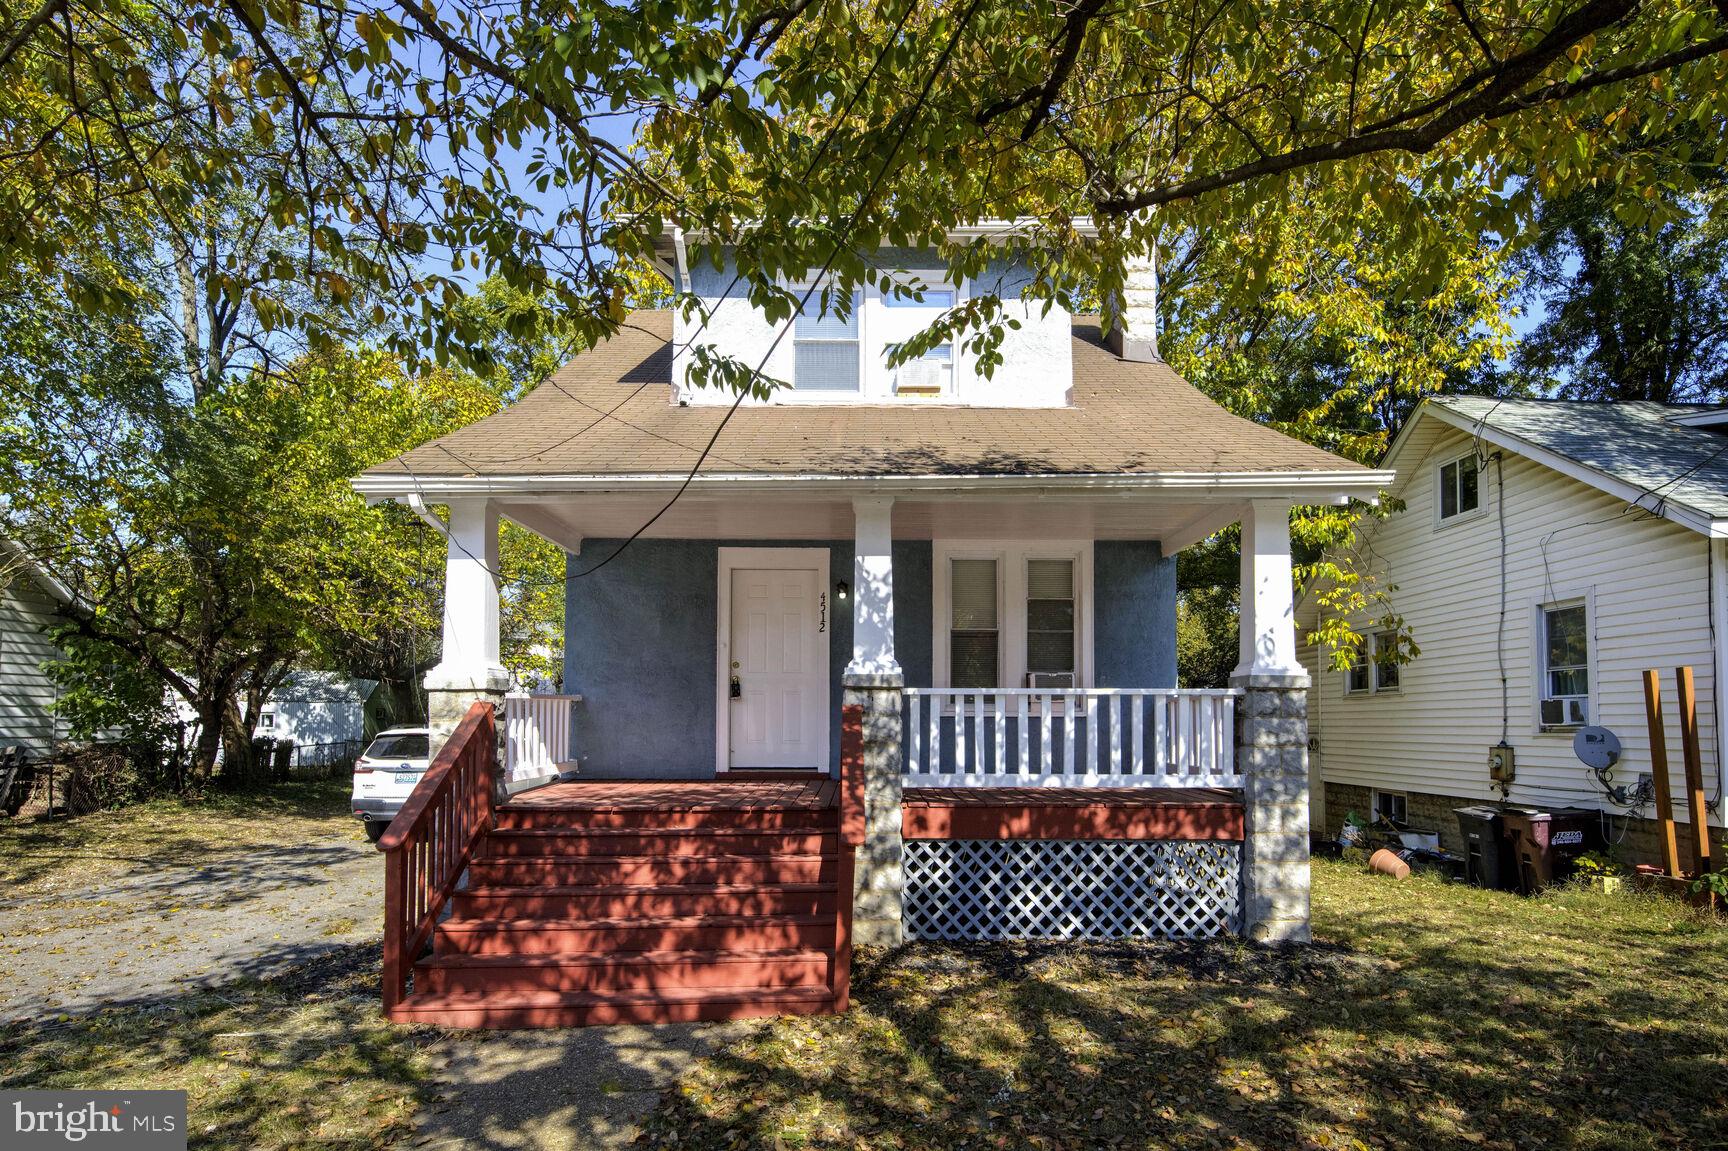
<point>803,793</point>
<point>932,812</point>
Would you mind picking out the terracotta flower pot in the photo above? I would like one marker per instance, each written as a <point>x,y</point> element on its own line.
<point>1386,863</point>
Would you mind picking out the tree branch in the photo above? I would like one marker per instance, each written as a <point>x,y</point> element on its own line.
<point>1044,95</point>
<point>32,24</point>
<point>1496,100</point>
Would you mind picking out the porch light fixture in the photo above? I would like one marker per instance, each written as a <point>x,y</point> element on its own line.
<point>842,591</point>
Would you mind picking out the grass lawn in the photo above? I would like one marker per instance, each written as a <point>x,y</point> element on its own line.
<point>1430,1015</point>
<point>38,856</point>
<point>304,1060</point>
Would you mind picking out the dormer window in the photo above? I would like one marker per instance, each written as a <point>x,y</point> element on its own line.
<point>826,347</point>
<point>835,357</point>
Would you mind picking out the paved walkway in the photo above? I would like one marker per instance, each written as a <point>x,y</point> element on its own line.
<point>571,1090</point>
<point>260,912</point>
<point>249,914</point>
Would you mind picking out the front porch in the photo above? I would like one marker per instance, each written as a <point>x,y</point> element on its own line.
<point>972,737</point>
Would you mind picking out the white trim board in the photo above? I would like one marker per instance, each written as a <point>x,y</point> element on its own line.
<point>788,559</point>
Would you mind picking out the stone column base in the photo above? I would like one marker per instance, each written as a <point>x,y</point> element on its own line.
<point>1272,755</point>
<point>448,699</point>
<point>876,891</point>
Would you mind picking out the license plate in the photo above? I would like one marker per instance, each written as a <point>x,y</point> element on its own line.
<point>407,777</point>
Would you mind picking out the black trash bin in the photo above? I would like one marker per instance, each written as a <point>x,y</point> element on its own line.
<point>1547,843</point>
<point>1487,854</point>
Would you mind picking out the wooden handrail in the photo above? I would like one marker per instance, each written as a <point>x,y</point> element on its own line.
<point>426,847</point>
<point>851,776</point>
<point>852,828</point>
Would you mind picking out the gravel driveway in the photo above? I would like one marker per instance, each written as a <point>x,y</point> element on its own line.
<point>246,913</point>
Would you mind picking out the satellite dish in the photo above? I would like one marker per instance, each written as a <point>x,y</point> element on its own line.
<point>1598,747</point>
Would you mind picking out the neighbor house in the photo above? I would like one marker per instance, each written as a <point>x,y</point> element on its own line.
<point>1547,553</point>
<point>323,714</point>
<point>897,660</point>
<point>28,695</point>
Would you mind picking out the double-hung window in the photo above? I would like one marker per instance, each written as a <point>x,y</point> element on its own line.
<point>1050,648</point>
<point>1565,650</point>
<point>826,345</point>
<point>1460,489</point>
<point>906,311</point>
<point>1375,667</point>
<point>1011,616</point>
<point>974,632</point>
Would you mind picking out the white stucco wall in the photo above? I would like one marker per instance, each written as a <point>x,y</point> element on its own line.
<point>1037,369</point>
<point>1648,585</point>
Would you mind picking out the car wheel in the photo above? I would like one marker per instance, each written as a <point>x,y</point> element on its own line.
<point>375,829</point>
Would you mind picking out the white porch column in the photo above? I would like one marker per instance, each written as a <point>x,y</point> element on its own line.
<point>470,668</point>
<point>873,588</point>
<point>1272,734</point>
<point>1268,613</point>
<point>874,684</point>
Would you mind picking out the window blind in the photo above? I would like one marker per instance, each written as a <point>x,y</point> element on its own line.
<point>974,638</point>
<point>1049,616</point>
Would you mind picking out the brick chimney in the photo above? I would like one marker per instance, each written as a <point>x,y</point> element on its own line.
<point>1133,318</point>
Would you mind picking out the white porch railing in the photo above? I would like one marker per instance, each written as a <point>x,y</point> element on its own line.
<point>1092,737</point>
<point>537,734</point>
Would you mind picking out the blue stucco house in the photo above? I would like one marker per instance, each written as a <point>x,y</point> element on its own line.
<point>1008,534</point>
<point>888,654</point>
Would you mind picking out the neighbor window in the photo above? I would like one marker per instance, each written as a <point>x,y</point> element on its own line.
<point>1374,667</point>
<point>1356,676</point>
<point>1565,666</point>
<point>825,347</point>
<point>1386,667</point>
<point>1393,806</point>
<point>1458,487</point>
<point>974,635</point>
<point>267,720</point>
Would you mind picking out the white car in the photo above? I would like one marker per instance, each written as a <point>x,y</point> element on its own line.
<point>386,773</point>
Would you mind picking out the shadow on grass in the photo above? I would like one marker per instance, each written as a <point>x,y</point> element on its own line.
<point>1435,1017</point>
<point>299,1060</point>
<point>171,831</point>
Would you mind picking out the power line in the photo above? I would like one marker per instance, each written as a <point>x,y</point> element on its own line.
<point>835,249</point>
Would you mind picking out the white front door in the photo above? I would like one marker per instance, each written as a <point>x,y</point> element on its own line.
<point>777,685</point>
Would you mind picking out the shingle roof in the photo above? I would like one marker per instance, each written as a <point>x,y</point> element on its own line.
<point>610,412</point>
<point>1636,443</point>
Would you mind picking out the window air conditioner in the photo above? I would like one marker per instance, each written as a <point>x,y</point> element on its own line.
<point>1566,711</point>
<point>923,377</point>
<point>1050,679</point>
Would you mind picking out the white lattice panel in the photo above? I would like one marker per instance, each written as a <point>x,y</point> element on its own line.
<point>1070,889</point>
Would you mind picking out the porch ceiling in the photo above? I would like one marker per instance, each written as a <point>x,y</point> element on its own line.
<point>1176,522</point>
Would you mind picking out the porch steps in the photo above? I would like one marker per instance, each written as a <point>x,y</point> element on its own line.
<point>616,841</point>
<point>493,1009</point>
<point>517,871</point>
<point>654,911</point>
<point>694,817</point>
<point>645,933</point>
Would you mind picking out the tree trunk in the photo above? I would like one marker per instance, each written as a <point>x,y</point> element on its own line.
<point>209,739</point>
<point>239,766</point>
